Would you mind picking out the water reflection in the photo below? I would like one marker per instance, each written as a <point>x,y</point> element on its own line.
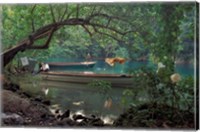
<point>108,103</point>
<point>78,103</point>
<point>184,69</point>
<point>89,100</point>
<point>45,90</point>
<point>81,99</point>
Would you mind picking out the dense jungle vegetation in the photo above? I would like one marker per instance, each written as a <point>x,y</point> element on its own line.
<point>163,33</point>
<point>135,31</point>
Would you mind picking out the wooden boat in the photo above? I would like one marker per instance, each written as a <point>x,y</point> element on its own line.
<point>71,65</point>
<point>116,80</point>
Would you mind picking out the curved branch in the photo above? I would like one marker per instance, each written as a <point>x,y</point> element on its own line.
<point>48,30</point>
<point>87,30</point>
<point>32,20</point>
<point>106,34</point>
<point>111,29</point>
<point>44,31</point>
<point>66,9</point>
<point>52,14</point>
<point>109,20</point>
<point>46,45</point>
<point>104,15</point>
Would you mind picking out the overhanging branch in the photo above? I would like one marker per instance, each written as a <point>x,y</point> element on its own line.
<point>48,30</point>
<point>105,16</point>
<point>87,30</point>
<point>46,45</point>
<point>106,34</point>
<point>111,28</point>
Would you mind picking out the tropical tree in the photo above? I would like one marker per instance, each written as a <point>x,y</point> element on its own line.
<point>39,23</point>
<point>169,42</point>
<point>153,30</point>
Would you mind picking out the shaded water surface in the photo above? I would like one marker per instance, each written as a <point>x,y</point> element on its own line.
<point>185,69</point>
<point>78,97</point>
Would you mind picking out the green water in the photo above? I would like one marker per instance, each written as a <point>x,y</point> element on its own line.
<point>186,69</point>
<point>66,96</point>
<point>91,101</point>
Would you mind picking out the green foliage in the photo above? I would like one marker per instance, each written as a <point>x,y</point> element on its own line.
<point>185,93</point>
<point>162,32</point>
<point>169,41</point>
<point>122,52</point>
<point>156,32</point>
<point>126,98</point>
<point>104,87</point>
<point>156,89</point>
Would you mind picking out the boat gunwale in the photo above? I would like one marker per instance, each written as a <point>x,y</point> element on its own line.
<point>82,74</point>
<point>85,63</point>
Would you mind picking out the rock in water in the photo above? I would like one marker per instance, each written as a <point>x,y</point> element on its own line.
<point>46,102</point>
<point>57,111</point>
<point>26,94</point>
<point>38,99</point>
<point>93,116</point>
<point>14,119</point>
<point>66,114</point>
<point>78,117</point>
<point>65,122</point>
<point>97,122</point>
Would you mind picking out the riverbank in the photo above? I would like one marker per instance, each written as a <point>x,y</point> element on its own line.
<point>22,110</point>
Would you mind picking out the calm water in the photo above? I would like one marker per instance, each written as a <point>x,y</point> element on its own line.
<point>102,67</point>
<point>81,98</point>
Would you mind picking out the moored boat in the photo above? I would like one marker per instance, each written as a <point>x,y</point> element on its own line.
<point>71,65</point>
<point>116,80</point>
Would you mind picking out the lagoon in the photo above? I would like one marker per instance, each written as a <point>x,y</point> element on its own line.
<point>184,69</point>
<point>85,100</point>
